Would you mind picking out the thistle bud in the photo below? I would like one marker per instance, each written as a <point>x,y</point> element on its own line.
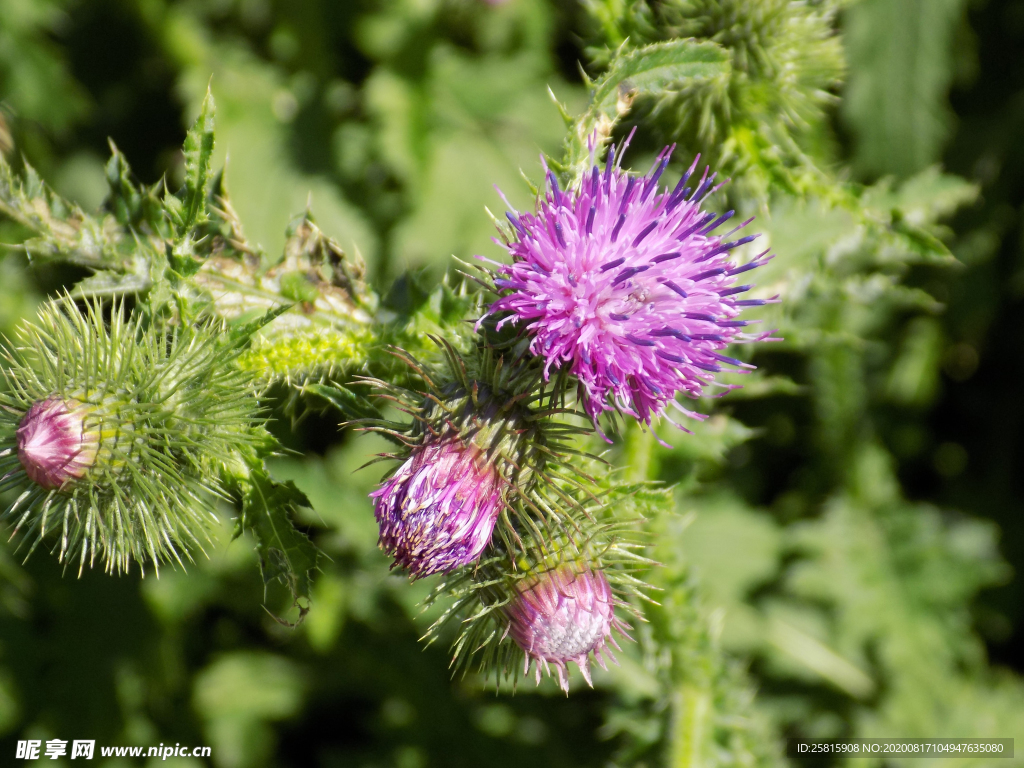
<point>437,512</point>
<point>54,445</point>
<point>475,445</point>
<point>564,615</point>
<point>114,433</point>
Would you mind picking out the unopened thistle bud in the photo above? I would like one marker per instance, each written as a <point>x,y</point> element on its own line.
<point>475,445</point>
<point>54,445</point>
<point>437,512</point>
<point>117,434</point>
<point>564,615</point>
<point>558,598</point>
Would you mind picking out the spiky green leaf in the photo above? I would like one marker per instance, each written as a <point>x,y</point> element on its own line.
<point>286,554</point>
<point>352,405</point>
<point>900,71</point>
<point>632,73</point>
<point>108,283</point>
<point>198,151</point>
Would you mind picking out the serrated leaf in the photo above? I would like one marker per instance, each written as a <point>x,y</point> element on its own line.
<point>123,199</point>
<point>198,150</point>
<point>63,230</point>
<point>921,243</point>
<point>240,335</point>
<point>286,554</point>
<point>641,71</point>
<point>653,68</point>
<point>111,284</point>
<point>345,400</point>
<point>932,194</point>
<point>181,257</point>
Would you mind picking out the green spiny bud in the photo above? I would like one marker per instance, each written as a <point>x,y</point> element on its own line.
<point>117,434</point>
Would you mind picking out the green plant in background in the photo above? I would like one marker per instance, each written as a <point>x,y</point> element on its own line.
<point>829,606</point>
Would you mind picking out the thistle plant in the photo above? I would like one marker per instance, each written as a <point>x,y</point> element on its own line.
<point>482,438</point>
<point>560,598</point>
<point>124,430</point>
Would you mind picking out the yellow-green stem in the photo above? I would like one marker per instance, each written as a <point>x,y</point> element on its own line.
<point>691,711</point>
<point>639,450</point>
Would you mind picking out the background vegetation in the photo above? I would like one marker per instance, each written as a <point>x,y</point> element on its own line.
<point>848,526</point>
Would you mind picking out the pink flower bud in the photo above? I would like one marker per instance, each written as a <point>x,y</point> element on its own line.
<point>563,615</point>
<point>438,510</point>
<point>53,445</point>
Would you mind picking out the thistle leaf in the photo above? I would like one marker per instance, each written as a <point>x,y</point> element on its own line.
<point>642,71</point>
<point>653,68</point>
<point>286,554</point>
<point>123,199</point>
<point>241,335</point>
<point>900,70</point>
<point>112,284</point>
<point>198,151</point>
<point>63,231</point>
<point>345,400</point>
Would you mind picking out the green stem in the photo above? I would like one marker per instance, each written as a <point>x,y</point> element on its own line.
<point>639,452</point>
<point>691,710</point>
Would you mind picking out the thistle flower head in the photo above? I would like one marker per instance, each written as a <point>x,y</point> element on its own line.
<point>564,615</point>
<point>117,433</point>
<point>54,446</point>
<point>628,286</point>
<point>477,443</point>
<point>438,510</point>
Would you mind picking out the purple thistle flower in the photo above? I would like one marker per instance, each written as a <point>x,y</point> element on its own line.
<point>628,285</point>
<point>53,445</point>
<point>438,510</point>
<point>561,616</point>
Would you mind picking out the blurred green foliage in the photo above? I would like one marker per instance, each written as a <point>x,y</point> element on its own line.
<point>828,530</point>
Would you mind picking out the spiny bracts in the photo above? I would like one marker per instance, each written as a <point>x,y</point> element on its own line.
<point>480,438</point>
<point>561,598</point>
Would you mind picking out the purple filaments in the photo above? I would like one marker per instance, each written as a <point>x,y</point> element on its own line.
<point>53,445</point>
<point>627,286</point>
<point>438,510</point>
